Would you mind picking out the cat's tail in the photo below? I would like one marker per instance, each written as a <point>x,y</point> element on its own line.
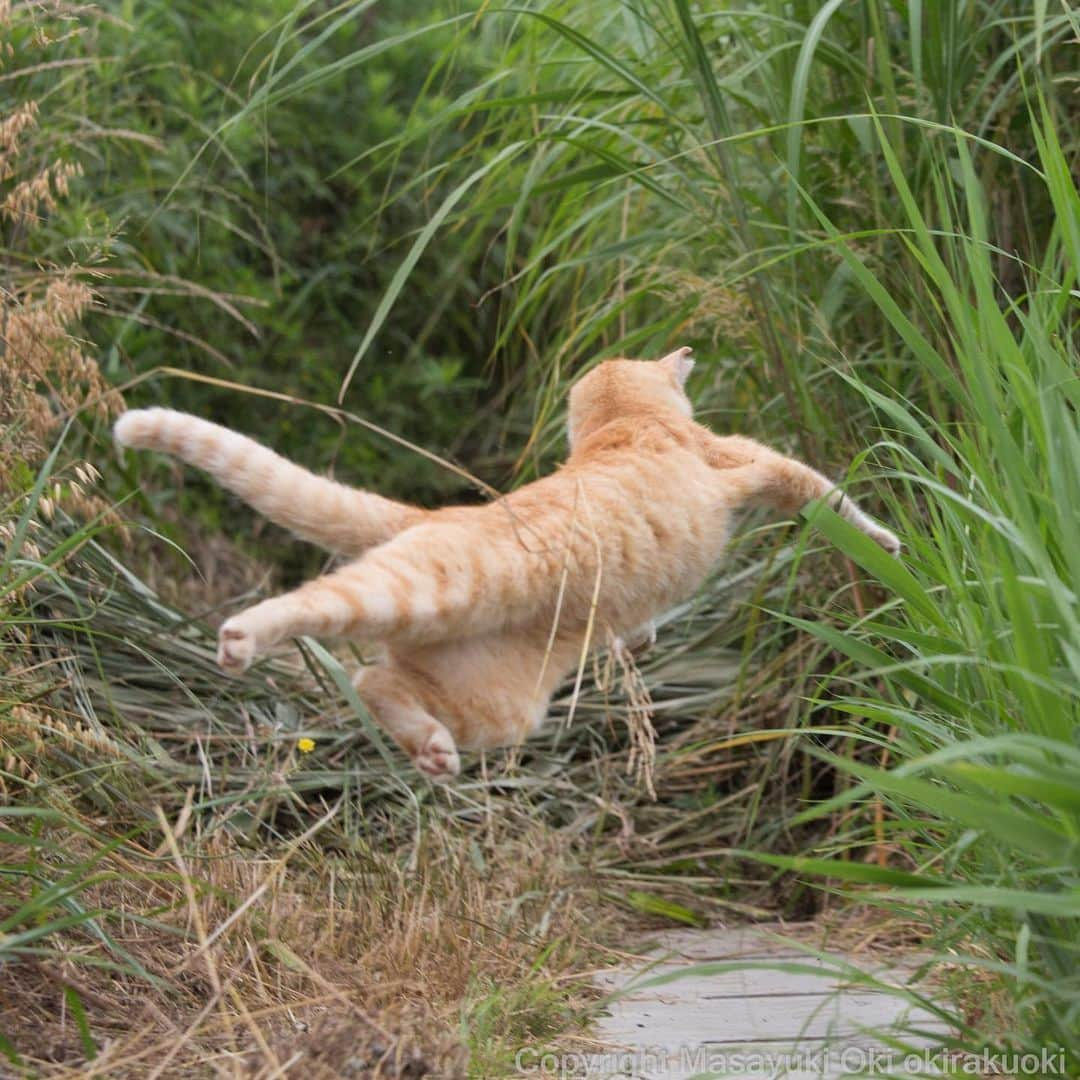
<point>316,509</point>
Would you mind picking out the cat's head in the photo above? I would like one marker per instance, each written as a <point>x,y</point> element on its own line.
<point>617,388</point>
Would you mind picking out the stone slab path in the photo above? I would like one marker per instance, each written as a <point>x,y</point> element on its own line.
<point>817,1023</point>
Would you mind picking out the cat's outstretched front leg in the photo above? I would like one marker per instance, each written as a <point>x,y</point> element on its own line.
<point>753,473</point>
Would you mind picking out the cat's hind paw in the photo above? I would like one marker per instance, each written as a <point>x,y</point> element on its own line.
<point>640,640</point>
<point>236,647</point>
<point>438,757</point>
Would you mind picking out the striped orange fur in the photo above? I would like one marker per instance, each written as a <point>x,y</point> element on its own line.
<point>483,610</point>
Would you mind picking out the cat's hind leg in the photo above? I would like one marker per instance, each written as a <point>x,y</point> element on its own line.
<point>399,712</point>
<point>427,586</point>
<point>342,602</point>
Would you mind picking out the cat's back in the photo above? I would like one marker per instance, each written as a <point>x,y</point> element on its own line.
<point>647,522</point>
<point>636,502</point>
<point>631,471</point>
<point>629,525</point>
<point>637,467</point>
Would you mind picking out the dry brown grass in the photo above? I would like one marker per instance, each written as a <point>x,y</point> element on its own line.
<point>45,369</point>
<point>356,963</point>
<point>47,373</point>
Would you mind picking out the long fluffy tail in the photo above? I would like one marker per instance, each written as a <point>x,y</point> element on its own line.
<point>316,509</point>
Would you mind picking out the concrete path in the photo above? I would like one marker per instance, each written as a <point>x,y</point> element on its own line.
<point>750,1017</point>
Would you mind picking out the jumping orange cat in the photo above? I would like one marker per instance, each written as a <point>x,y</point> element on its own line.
<point>485,609</point>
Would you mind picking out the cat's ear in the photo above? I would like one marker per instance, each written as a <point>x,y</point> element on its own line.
<point>679,363</point>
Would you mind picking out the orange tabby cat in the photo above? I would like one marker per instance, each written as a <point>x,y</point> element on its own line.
<point>483,610</point>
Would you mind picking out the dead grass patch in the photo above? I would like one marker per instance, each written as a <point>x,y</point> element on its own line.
<point>331,963</point>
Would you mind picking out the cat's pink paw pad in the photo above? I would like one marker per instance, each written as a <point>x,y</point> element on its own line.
<point>236,647</point>
<point>438,758</point>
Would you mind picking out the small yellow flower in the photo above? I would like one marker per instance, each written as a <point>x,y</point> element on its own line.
<point>305,745</point>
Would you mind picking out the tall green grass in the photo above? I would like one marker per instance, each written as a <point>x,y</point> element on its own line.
<point>966,676</point>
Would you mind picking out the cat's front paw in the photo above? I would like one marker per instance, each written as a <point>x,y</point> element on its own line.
<point>438,757</point>
<point>236,647</point>
<point>885,539</point>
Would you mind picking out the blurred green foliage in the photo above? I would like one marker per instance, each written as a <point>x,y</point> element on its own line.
<point>251,250</point>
